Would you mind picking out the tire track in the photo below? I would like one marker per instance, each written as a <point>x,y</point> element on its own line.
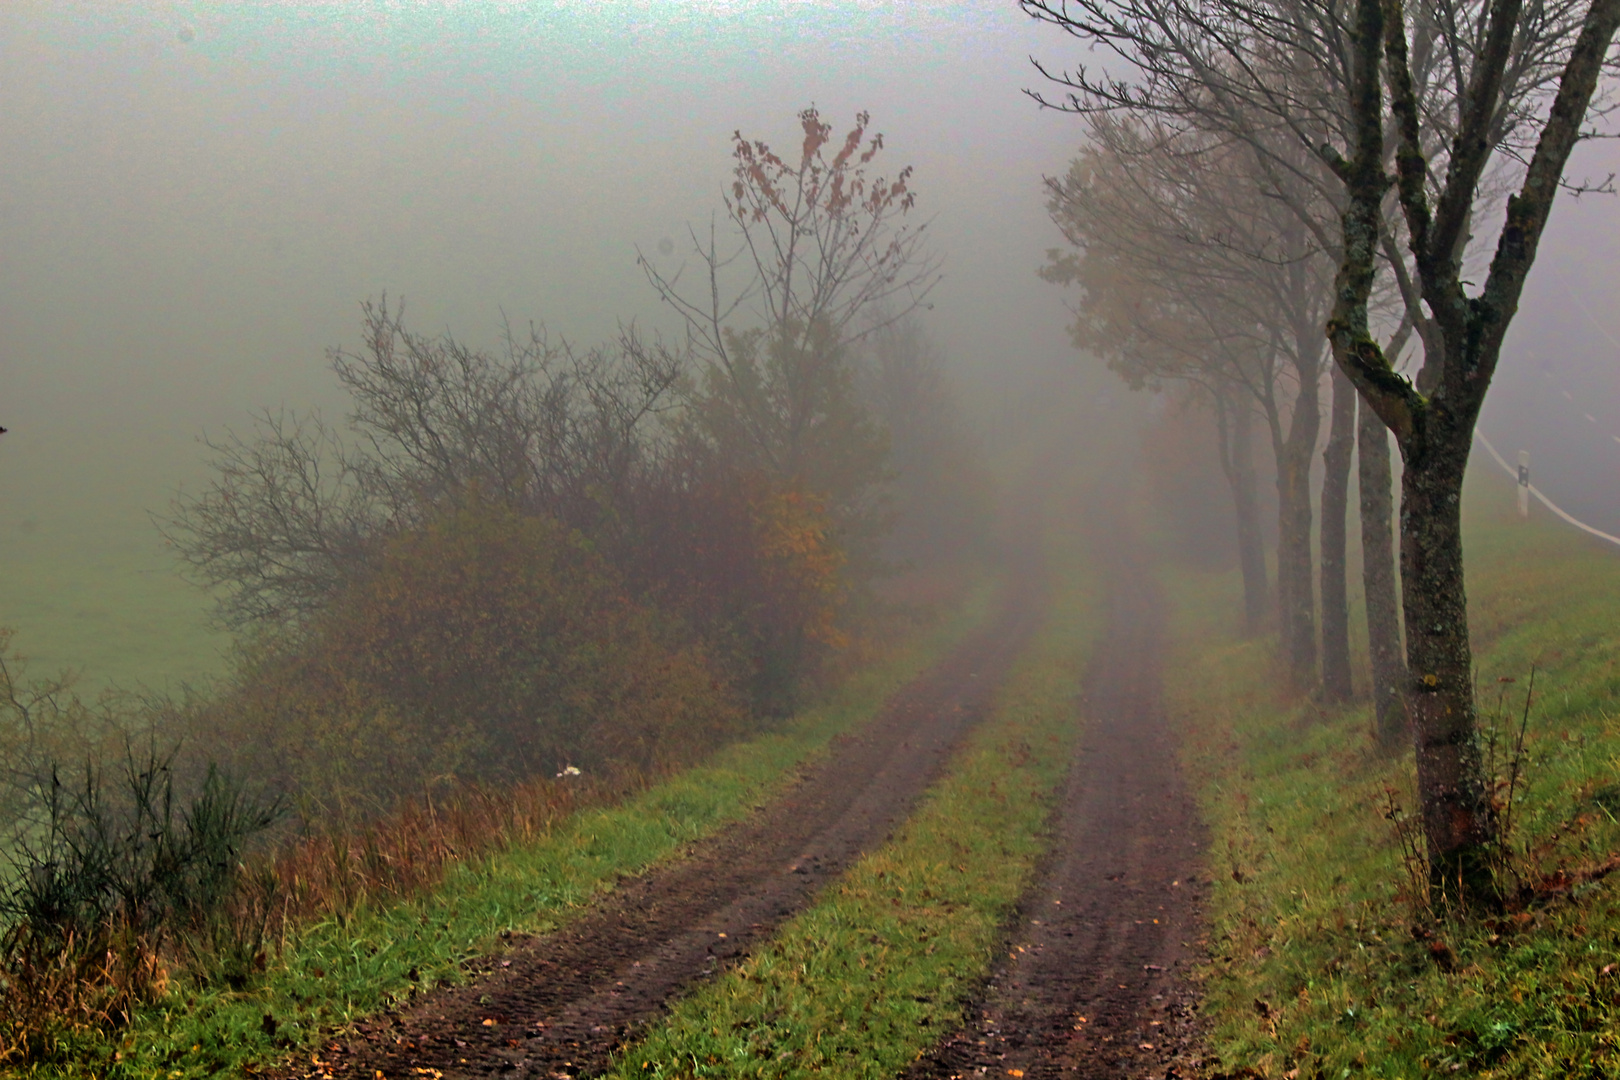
<point>560,1004</point>
<point>1092,984</point>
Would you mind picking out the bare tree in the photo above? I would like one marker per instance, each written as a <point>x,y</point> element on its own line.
<point>1433,416</point>
<point>1234,422</point>
<point>822,251</point>
<point>1380,589</point>
<point>296,508</point>
<point>283,523</point>
<point>1467,84</point>
<point>1341,445</point>
<point>1189,275</point>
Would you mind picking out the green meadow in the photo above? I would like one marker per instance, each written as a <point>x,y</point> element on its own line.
<point>87,584</point>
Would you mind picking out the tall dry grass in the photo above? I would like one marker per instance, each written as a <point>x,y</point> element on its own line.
<point>408,851</point>
<point>56,989</point>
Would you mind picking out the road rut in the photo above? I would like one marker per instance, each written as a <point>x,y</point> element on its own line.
<point>1092,980</point>
<point>565,1001</point>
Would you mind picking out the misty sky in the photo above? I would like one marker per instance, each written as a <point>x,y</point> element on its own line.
<point>195,198</point>
<point>1557,392</point>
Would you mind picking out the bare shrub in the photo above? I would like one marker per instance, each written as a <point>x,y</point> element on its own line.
<point>298,509</point>
<point>112,882</point>
<point>489,646</point>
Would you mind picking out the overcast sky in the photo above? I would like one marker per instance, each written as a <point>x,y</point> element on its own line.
<point>196,197</point>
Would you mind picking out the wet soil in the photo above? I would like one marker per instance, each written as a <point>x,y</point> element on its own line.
<point>1093,976</point>
<point>558,1005</point>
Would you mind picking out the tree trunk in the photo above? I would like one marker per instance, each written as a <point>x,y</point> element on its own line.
<point>1251,542</point>
<point>1378,577</point>
<point>1335,503</point>
<point>1458,819</point>
<point>1235,422</point>
<point>1296,591</point>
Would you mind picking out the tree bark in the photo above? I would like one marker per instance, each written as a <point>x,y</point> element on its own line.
<point>1335,503</point>
<point>1235,421</point>
<point>1433,420</point>
<point>1296,591</point>
<point>1378,577</point>
<point>1458,818</point>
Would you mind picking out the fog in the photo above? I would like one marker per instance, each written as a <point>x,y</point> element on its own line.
<point>515,566</point>
<point>197,197</point>
<point>1557,391</point>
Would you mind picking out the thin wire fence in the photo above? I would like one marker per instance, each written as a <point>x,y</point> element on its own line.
<point>1548,503</point>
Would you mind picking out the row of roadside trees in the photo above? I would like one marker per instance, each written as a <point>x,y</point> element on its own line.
<point>1280,195</point>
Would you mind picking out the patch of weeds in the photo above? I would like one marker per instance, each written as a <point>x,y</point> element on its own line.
<point>114,880</point>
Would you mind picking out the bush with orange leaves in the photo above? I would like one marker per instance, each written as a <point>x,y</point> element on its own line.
<point>803,564</point>
<point>487,645</point>
<point>752,565</point>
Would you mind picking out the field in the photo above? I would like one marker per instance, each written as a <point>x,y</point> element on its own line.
<point>331,974</point>
<point>1324,956</point>
<point>89,585</point>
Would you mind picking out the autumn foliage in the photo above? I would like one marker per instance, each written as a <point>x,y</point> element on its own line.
<point>754,567</point>
<point>513,563</point>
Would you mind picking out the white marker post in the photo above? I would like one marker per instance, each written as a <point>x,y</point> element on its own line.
<point>1524,483</point>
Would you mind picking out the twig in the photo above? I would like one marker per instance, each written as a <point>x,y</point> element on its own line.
<point>1518,757</point>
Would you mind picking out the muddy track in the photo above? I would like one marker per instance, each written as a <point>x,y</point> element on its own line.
<point>1091,981</point>
<point>561,1003</point>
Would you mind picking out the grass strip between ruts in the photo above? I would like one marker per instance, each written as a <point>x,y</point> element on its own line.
<point>1321,966</point>
<point>337,971</point>
<point>873,974</point>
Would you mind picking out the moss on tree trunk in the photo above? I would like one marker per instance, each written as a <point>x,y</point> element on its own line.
<point>1335,503</point>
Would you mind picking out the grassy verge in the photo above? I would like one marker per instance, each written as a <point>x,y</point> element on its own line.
<point>336,971</point>
<point>872,975</point>
<point>1322,964</point>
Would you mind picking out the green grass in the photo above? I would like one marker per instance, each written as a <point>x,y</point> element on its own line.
<point>1315,965</point>
<point>96,591</point>
<point>335,972</point>
<point>872,975</point>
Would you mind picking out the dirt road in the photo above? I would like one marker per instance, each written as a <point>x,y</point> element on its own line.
<point>1091,982</point>
<point>565,1001</point>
